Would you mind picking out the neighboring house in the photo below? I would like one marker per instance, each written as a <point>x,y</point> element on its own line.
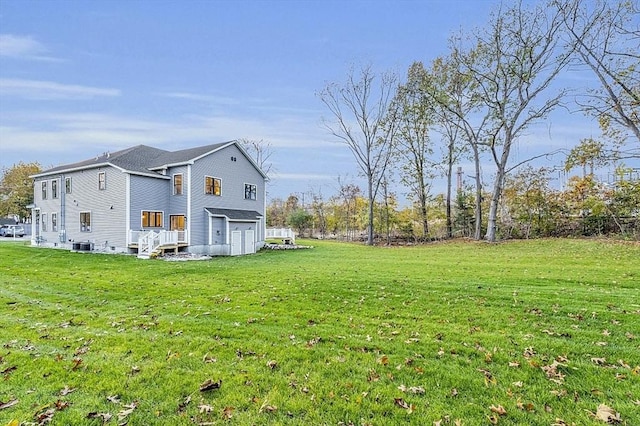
<point>205,200</point>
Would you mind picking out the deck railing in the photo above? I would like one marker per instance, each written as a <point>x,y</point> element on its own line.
<point>284,233</point>
<point>149,241</point>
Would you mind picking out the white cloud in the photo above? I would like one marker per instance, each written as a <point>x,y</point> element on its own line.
<point>50,90</point>
<point>23,47</point>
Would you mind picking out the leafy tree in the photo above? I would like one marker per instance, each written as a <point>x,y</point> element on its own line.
<point>450,86</point>
<point>300,220</point>
<point>588,153</point>
<point>360,107</point>
<point>16,189</point>
<point>414,119</point>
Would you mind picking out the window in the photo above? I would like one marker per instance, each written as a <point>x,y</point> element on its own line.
<point>177,184</point>
<point>43,221</point>
<point>67,185</point>
<point>250,191</point>
<point>54,188</point>
<point>152,219</point>
<point>212,186</point>
<point>44,189</point>
<point>85,221</point>
<point>54,222</point>
<point>102,180</point>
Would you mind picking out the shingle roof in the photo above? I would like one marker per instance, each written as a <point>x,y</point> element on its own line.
<point>139,159</point>
<point>234,214</point>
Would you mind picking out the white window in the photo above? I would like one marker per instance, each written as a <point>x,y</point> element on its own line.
<point>102,180</point>
<point>85,221</point>
<point>54,222</point>
<point>177,184</point>
<point>152,219</point>
<point>67,185</point>
<point>43,222</point>
<point>54,189</point>
<point>44,189</point>
<point>212,186</point>
<point>250,191</point>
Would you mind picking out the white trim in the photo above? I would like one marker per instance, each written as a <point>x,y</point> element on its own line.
<point>188,218</point>
<point>127,206</point>
<point>151,211</point>
<point>104,172</point>
<point>173,183</point>
<point>245,191</point>
<point>214,185</point>
<point>90,221</point>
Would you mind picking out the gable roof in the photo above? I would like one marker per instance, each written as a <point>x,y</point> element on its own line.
<point>146,160</point>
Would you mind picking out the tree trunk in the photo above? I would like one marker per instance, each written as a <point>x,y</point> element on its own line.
<point>371,200</point>
<point>478,213</point>
<point>449,178</point>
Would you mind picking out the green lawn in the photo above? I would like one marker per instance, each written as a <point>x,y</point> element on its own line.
<point>527,332</point>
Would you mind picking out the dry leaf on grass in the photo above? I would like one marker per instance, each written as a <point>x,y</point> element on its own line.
<point>128,410</point>
<point>8,404</point>
<point>209,385</point>
<point>606,414</point>
<point>105,417</point>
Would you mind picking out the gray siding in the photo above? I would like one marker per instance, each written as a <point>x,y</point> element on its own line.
<point>234,175</point>
<point>150,194</point>
<point>178,203</point>
<point>107,208</point>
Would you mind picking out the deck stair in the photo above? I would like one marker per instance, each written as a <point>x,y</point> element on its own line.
<point>151,244</point>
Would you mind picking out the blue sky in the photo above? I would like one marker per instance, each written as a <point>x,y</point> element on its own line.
<point>78,78</point>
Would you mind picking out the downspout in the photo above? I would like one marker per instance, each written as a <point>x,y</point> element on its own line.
<point>62,188</point>
<point>188,205</point>
<point>127,209</point>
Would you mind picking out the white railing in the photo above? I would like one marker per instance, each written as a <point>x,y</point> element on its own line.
<point>134,236</point>
<point>150,241</point>
<point>285,233</point>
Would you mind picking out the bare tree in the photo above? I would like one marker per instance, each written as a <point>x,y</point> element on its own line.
<point>260,152</point>
<point>358,109</point>
<point>606,37</point>
<point>513,62</point>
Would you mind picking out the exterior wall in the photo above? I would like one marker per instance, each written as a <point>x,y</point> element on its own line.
<point>149,194</point>
<point>106,207</point>
<point>234,175</point>
<point>178,203</point>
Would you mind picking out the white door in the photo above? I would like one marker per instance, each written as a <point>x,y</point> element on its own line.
<point>236,243</point>
<point>249,242</point>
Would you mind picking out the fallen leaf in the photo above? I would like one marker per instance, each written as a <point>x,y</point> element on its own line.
<point>272,364</point>
<point>498,410</point>
<point>227,412</point>
<point>45,417</point>
<point>599,361</point>
<point>607,414</point>
<point>402,404</point>
<point>8,404</point>
<point>128,410</point>
<point>114,399</point>
<point>210,385</point>
<point>66,391</point>
<point>183,405</point>
<point>384,360</point>
<point>204,408</point>
<point>105,417</point>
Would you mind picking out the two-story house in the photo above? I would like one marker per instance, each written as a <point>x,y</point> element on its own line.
<point>205,200</point>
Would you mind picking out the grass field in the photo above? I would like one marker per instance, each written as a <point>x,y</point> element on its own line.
<point>520,333</point>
